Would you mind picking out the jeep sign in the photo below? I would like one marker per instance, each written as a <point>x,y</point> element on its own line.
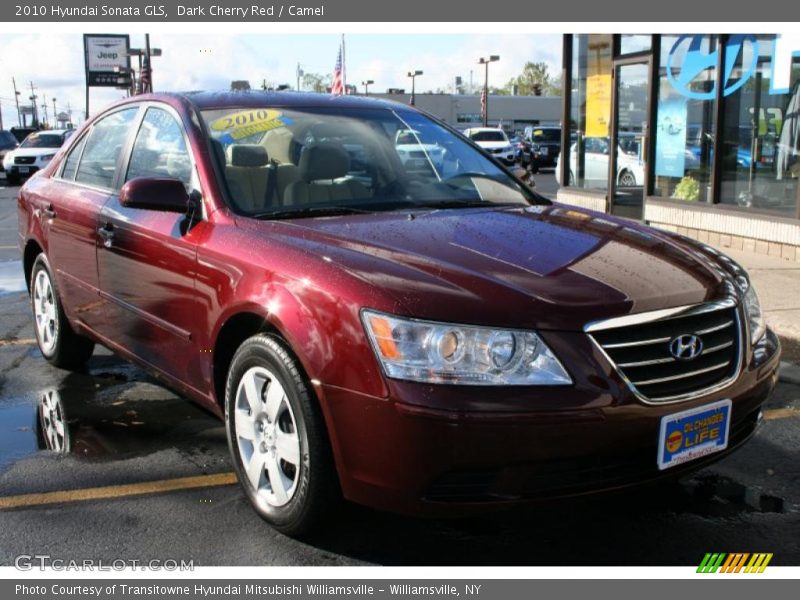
<point>106,56</point>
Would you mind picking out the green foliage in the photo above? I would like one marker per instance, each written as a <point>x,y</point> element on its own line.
<point>687,189</point>
<point>316,82</point>
<point>535,80</point>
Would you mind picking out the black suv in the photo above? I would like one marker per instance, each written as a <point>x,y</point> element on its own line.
<point>545,145</point>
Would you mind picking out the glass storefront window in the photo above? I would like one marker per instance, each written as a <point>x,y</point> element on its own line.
<point>684,122</point>
<point>630,43</point>
<point>590,112</point>
<point>759,162</point>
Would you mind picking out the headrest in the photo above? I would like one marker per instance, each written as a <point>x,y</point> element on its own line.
<point>247,155</point>
<point>323,161</point>
<point>278,143</point>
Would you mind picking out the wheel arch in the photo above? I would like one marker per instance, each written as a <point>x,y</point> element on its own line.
<point>32,250</point>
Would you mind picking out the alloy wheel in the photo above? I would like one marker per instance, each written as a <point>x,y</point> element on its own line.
<point>267,437</point>
<point>45,312</point>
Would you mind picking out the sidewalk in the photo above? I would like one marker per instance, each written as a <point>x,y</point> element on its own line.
<point>777,282</point>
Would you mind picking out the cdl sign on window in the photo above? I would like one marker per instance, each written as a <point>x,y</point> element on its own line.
<point>692,59</point>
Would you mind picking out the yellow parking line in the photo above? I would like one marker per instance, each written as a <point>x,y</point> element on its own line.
<point>781,413</point>
<point>22,342</point>
<point>118,491</point>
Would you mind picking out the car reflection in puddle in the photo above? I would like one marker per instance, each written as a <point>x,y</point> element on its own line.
<point>66,422</point>
<point>106,416</point>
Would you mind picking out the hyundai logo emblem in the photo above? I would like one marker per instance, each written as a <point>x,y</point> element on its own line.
<point>686,347</point>
<point>691,65</point>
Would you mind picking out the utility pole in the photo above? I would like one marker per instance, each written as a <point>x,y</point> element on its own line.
<point>44,110</point>
<point>16,99</point>
<point>299,74</point>
<point>55,114</point>
<point>33,106</point>
<point>149,62</point>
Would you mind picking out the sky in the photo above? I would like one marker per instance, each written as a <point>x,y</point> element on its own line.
<point>54,62</point>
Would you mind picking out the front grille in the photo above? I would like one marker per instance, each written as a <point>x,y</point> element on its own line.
<point>577,475</point>
<point>641,352</point>
<point>24,160</point>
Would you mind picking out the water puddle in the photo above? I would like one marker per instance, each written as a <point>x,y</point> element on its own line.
<point>112,413</point>
<point>12,278</point>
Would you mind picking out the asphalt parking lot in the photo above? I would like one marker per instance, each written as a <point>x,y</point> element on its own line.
<point>137,472</point>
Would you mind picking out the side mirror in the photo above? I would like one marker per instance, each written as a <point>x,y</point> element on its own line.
<point>164,194</point>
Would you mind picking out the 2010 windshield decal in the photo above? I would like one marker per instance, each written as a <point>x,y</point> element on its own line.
<point>242,124</point>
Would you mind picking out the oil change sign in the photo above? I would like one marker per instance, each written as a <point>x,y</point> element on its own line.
<point>239,125</point>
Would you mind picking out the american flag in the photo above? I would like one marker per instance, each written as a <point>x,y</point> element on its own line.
<point>145,78</point>
<point>337,88</point>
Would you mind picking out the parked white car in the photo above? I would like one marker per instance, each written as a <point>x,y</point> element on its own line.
<point>630,168</point>
<point>33,153</point>
<point>415,154</point>
<point>494,141</point>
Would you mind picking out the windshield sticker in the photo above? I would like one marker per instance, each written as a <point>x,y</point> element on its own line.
<point>243,124</point>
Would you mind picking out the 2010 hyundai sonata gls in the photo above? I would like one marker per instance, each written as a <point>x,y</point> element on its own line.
<point>417,333</point>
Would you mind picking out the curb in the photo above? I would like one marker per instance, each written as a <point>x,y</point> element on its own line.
<point>789,373</point>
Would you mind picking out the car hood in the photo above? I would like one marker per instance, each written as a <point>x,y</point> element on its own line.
<point>32,152</point>
<point>552,267</point>
<point>493,145</point>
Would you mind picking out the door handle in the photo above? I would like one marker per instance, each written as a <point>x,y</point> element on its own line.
<point>106,233</point>
<point>50,212</point>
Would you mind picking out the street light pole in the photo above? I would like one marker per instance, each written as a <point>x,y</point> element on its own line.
<point>413,75</point>
<point>366,85</point>
<point>485,62</point>
<point>55,114</point>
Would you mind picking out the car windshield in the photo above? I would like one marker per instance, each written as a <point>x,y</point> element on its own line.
<point>488,136</point>
<point>546,135</point>
<point>282,162</point>
<point>43,140</point>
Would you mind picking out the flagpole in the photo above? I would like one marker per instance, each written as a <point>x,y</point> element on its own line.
<point>344,69</point>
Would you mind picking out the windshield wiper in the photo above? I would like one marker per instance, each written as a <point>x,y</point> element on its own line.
<point>310,211</point>
<point>457,204</point>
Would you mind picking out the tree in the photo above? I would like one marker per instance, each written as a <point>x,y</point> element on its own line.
<point>316,82</point>
<point>535,80</point>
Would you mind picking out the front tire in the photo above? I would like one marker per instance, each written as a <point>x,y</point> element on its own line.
<point>627,179</point>
<point>58,342</point>
<point>277,437</point>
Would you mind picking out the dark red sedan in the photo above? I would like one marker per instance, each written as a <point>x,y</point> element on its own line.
<point>423,335</point>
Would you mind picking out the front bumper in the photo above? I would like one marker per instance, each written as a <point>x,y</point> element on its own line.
<point>21,171</point>
<point>414,453</point>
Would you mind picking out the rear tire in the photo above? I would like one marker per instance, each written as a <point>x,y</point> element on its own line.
<point>12,179</point>
<point>58,342</point>
<point>277,438</point>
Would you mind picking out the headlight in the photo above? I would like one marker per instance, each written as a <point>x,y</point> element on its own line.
<point>754,316</point>
<point>47,157</point>
<point>433,352</point>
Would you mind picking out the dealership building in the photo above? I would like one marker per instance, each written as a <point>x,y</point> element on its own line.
<point>697,134</point>
<point>464,110</point>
